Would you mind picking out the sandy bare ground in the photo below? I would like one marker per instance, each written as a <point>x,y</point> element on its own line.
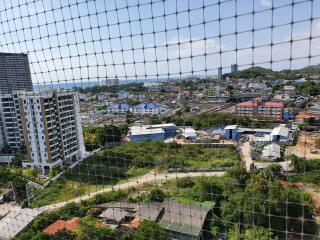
<point>245,154</point>
<point>305,144</point>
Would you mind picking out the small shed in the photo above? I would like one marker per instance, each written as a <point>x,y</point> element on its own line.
<point>281,134</point>
<point>189,133</point>
<point>231,132</point>
<point>271,152</point>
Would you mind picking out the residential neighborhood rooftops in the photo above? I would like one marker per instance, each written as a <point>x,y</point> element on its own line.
<point>120,106</point>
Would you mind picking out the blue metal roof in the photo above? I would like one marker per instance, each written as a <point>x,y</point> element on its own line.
<point>120,106</point>
<point>147,106</point>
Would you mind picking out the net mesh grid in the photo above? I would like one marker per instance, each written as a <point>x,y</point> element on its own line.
<point>82,43</point>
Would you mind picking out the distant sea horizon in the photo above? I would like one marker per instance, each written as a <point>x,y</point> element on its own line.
<point>67,85</point>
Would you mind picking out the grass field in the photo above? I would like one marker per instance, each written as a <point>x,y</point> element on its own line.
<point>93,174</point>
<point>110,166</point>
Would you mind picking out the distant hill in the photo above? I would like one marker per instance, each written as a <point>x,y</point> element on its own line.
<point>260,72</point>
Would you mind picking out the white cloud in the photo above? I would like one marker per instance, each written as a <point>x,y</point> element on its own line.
<point>265,3</point>
<point>195,46</point>
<point>317,28</point>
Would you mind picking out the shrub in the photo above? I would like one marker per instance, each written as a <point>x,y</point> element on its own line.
<point>94,212</point>
<point>150,230</point>
<point>186,182</point>
<point>157,195</point>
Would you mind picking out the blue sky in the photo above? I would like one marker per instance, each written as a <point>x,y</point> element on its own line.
<point>70,40</point>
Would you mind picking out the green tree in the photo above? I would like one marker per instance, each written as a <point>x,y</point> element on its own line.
<point>71,210</point>
<point>109,133</point>
<point>19,187</point>
<point>150,230</point>
<point>17,159</point>
<point>298,163</point>
<point>129,117</point>
<point>251,234</point>
<point>259,233</point>
<point>239,173</point>
<point>43,236</point>
<point>88,229</point>
<point>55,170</point>
<point>43,220</point>
<point>64,234</point>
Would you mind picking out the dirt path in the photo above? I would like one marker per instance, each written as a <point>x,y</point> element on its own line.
<point>245,153</point>
<point>28,214</point>
<point>147,178</point>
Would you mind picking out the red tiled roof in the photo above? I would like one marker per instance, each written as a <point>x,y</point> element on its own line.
<point>255,103</point>
<point>303,115</point>
<point>135,223</point>
<point>61,224</point>
<point>274,104</point>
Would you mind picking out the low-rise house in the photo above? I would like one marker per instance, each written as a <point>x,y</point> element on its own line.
<point>301,100</point>
<point>59,225</point>
<point>289,91</point>
<point>181,221</point>
<point>118,108</point>
<point>271,152</point>
<point>281,134</point>
<point>315,107</point>
<point>114,215</point>
<point>122,212</point>
<point>148,108</point>
<point>309,117</point>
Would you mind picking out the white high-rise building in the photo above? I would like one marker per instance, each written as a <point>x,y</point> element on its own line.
<point>47,123</point>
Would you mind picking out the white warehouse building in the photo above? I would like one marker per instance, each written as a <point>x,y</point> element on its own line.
<point>47,123</point>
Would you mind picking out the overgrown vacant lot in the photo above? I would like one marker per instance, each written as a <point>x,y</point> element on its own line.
<point>154,153</point>
<point>110,166</point>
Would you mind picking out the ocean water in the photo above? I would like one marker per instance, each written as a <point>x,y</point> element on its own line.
<point>90,83</point>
